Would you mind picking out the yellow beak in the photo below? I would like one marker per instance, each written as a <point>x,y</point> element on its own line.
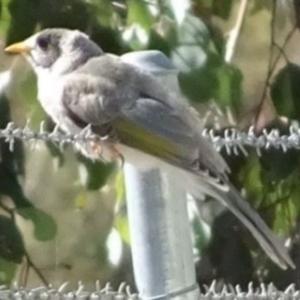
<point>18,48</point>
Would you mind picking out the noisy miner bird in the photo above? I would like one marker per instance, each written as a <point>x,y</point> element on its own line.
<point>142,121</point>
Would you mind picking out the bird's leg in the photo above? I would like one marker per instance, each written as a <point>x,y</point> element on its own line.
<point>96,147</point>
<point>116,155</point>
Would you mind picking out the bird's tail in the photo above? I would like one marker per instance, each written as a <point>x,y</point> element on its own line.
<point>251,219</point>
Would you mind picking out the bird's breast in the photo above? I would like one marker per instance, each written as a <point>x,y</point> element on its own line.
<point>50,95</point>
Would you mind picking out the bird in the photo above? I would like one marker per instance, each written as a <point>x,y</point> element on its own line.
<point>137,119</point>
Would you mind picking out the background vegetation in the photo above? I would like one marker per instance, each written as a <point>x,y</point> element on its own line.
<point>63,218</point>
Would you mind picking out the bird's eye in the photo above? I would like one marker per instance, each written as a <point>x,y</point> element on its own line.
<point>43,43</point>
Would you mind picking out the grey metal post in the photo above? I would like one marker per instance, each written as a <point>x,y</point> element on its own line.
<point>157,209</point>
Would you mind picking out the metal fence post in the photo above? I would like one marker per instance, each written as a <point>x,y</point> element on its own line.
<point>157,209</point>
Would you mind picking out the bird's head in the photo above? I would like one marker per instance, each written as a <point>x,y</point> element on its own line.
<point>58,51</point>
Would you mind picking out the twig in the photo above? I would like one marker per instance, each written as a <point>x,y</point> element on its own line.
<point>272,64</point>
<point>36,269</point>
<point>30,263</point>
<point>235,32</point>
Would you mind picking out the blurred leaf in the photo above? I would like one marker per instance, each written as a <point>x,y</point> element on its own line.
<point>202,234</point>
<point>54,149</point>
<point>179,9</point>
<point>228,251</point>
<point>5,16</point>
<point>120,187</point>
<point>24,18</point>
<point>28,89</point>
<point>136,37</point>
<point>249,175</point>
<point>186,58</point>
<point>72,14</point>
<point>45,227</point>
<point>56,152</point>
<point>286,213</point>
<point>13,160</point>
<point>109,40</point>
<point>81,201</point>
<point>122,226</point>
<point>229,92</point>
<point>203,73</point>
<point>277,164</point>
<point>158,42</point>
<point>285,91</point>
<point>11,243</point>
<point>193,32</point>
<point>222,9</point>
<point>7,271</point>
<point>97,172</point>
<point>296,4</point>
<point>140,14</point>
<point>103,11</point>
<point>10,187</point>
<point>201,84</point>
<point>121,220</point>
<point>259,5</point>
<point>1,4</point>
<point>4,111</point>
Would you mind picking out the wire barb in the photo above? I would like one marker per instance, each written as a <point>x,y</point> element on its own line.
<point>233,141</point>
<point>212,292</point>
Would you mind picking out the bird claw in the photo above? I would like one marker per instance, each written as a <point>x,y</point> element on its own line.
<point>114,153</point>
<point>117,156</point>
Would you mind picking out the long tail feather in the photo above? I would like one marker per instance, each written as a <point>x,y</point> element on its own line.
<point>251,219</point>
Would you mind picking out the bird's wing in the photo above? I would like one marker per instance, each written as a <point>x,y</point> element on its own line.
<point>141,112</point>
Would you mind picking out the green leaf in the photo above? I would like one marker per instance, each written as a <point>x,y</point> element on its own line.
<point>250,176</point>
<point>28,88</point>
<point>110,40</point>
<point>229,92</point>
<point>24,18</point>
<point>198,63</point>
<point>120,187</point>
<point>54,149</point>
<point>187,58</point>
<point>156,41</point>
<point>5,16</point>
<point>202,234</point>
<point>13,160</point>
<point>1,4</point>
<point>11,243</point>
<point>222,9</point>
<point>193,32</point>
<point>140,14</point>
<point>285,91</point>
<point>4,111</point>
<point>7,272</point>
<point>10,187</point>
<point>286,214</point>
<point>122,226</point>
<point>103,11</point>
<point>45,227</point>
<point>81,200</point>
<point>97,172</point>
<point>72,14</point>
<point>278,165</point>
<point>259,5</point>
<point>201,84</point>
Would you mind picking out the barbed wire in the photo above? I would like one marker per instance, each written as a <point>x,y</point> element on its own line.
<point>232,140</point>
<point>212,292</point>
